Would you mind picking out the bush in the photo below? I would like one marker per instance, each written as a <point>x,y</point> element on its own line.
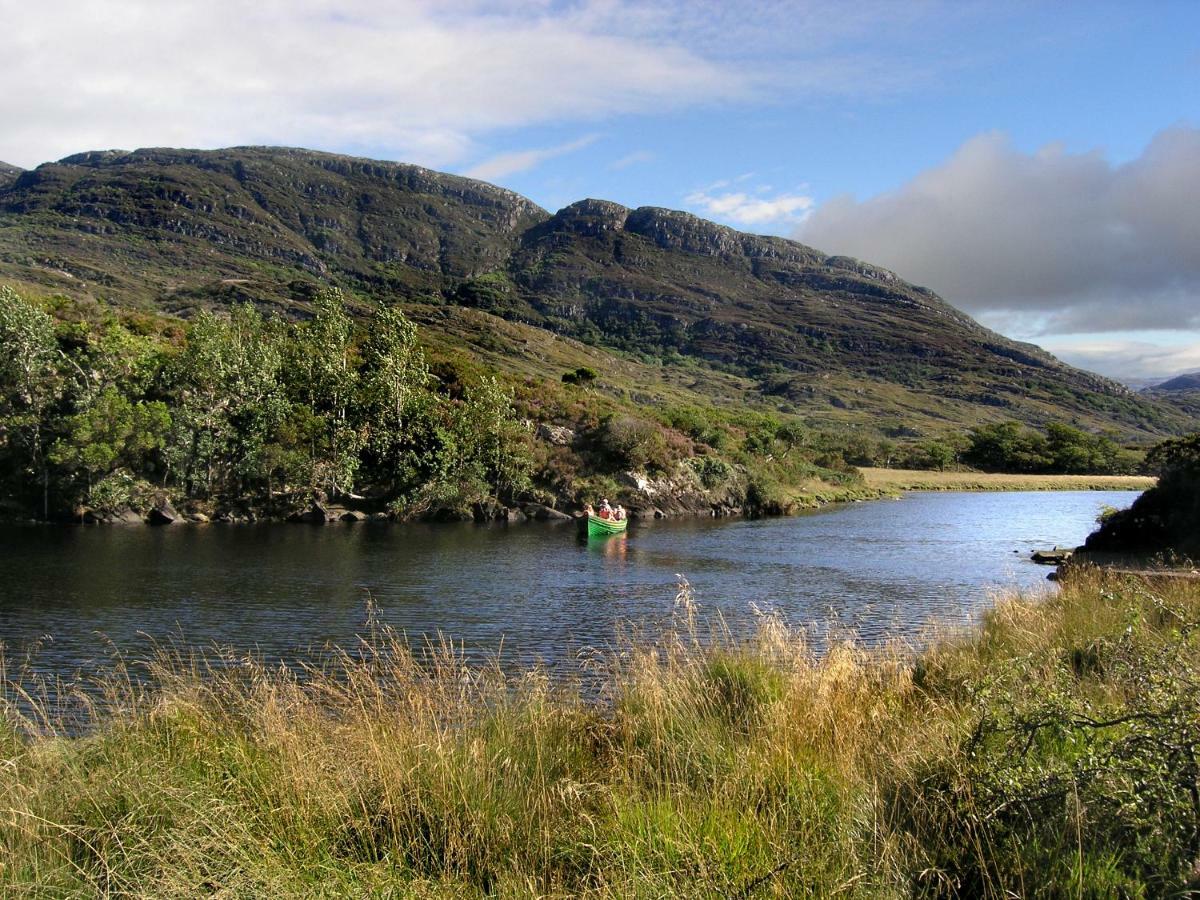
<point>582,375</point>
<point>626,442</point>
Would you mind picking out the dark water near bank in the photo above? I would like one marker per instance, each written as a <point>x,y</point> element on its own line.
<point>885,568</point>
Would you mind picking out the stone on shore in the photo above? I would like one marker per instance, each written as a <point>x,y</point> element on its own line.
<point>163,513</point>
<point>542,513</point>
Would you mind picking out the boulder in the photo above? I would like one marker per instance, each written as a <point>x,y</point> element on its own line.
<point>543,513</point>
<point>314,515</point>
<point>353,515</point>
<point>125,516</point>
<point>163,513</point>
<point>448,514</point>
<point>558,435</point>
<point>198,518</point>
<point>1055,557</point>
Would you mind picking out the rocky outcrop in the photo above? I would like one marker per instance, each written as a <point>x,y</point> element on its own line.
<point>163,513</point>
<point>679,493</point>
<point>558,435</point>
<point>316,514</point>
<point>124,516</point>
<point>542,513</point>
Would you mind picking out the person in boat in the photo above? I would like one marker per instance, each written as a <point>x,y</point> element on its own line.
<point>588,510</point>
<point>619,513</point>
<point>606,511</point>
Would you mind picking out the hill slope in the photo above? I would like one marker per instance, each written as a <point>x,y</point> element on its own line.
<point>1187,382</point>
<point>828,337</point>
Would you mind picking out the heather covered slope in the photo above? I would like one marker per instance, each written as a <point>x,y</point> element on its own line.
<point>830,338</point>
<point>175,228</point>
<point>8,173</point>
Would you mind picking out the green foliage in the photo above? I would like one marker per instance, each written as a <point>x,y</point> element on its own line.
<point>627,442</point>
<point>582,375</point>
<point>1011,447</point>
<point>1166,518</point>
<point>245,409</point>
<point>31,383</point>
<point>112,432</point>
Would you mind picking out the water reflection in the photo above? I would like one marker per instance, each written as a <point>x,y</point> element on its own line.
<point>880,569</point>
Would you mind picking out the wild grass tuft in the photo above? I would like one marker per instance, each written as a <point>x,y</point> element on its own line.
<point>1051,752</point>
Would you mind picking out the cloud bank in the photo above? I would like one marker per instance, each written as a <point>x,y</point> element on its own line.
<point>1050,242</point>
<point>427,80</point>
<point>418,80</point>
<point>1138,361</point>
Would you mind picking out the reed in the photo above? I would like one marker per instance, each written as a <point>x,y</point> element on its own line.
<point>1052,750</point>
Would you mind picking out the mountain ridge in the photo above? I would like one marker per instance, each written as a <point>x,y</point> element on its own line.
<point>171,230</point>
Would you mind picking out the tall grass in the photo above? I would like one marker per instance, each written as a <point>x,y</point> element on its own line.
<point>1051,753</point>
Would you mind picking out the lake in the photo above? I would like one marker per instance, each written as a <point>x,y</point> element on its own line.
<point>886,568</point>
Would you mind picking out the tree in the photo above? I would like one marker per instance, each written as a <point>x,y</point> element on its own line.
<point>499,444</point>
<point>393,385</point>
<point>321,373</point>
<point>30,384</point>
<point>111,432</point>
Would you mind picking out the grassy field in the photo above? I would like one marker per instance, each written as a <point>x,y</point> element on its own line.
<point>1051,753</point>
<point>922,480</point>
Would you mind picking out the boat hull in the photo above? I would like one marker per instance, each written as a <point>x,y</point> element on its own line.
<point>597,527</point>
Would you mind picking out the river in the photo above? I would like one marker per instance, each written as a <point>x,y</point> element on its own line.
<point>534,591</point>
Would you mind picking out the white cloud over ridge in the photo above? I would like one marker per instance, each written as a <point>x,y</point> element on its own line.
<point>424,80</point>
<point>420,80</point>
<point>1142,361</point>
<point>522,160</point>
<point>1063,242</point>
<point>750,209</point>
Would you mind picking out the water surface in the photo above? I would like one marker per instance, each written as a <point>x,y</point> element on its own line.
<point>888,568</point>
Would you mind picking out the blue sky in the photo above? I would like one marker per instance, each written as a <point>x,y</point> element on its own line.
<point>1033,162</point>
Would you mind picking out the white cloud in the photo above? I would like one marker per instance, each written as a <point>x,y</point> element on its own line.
<point>631,159</point>
<point>509,163</point>
<point>427,80</point>
<point>1049,242</point>
<point>419,80</point>
<point>741,208</point>
<point>1140,360</point>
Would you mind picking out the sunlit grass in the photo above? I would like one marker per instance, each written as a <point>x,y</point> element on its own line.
<point>923,480</point>
<point>685,763</point>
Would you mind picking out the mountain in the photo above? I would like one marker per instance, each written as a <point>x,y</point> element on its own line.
<point>8,173</point>
<point>663,296</point>
<point>1189,381</point>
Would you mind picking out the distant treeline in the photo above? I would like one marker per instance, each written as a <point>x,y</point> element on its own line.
<point>1013,447</point>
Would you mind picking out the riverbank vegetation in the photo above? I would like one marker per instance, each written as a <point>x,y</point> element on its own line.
<point>1052,752</point>
<point>108,414</point>
<point>1165,521</point>
<point>244,416</point>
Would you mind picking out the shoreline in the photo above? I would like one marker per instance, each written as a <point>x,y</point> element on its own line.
<point>922,480</point>
<point>878,484</point>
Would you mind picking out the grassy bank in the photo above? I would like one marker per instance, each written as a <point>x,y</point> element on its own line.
<point>919,480</point>
<point>1052,752</point>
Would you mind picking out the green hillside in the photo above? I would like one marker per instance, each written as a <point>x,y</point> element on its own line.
<point>828,338</point>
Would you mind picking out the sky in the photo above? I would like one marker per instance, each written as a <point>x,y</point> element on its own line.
<point>1037,164</point>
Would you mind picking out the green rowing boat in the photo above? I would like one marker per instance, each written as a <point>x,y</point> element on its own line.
<point>598,527</point>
